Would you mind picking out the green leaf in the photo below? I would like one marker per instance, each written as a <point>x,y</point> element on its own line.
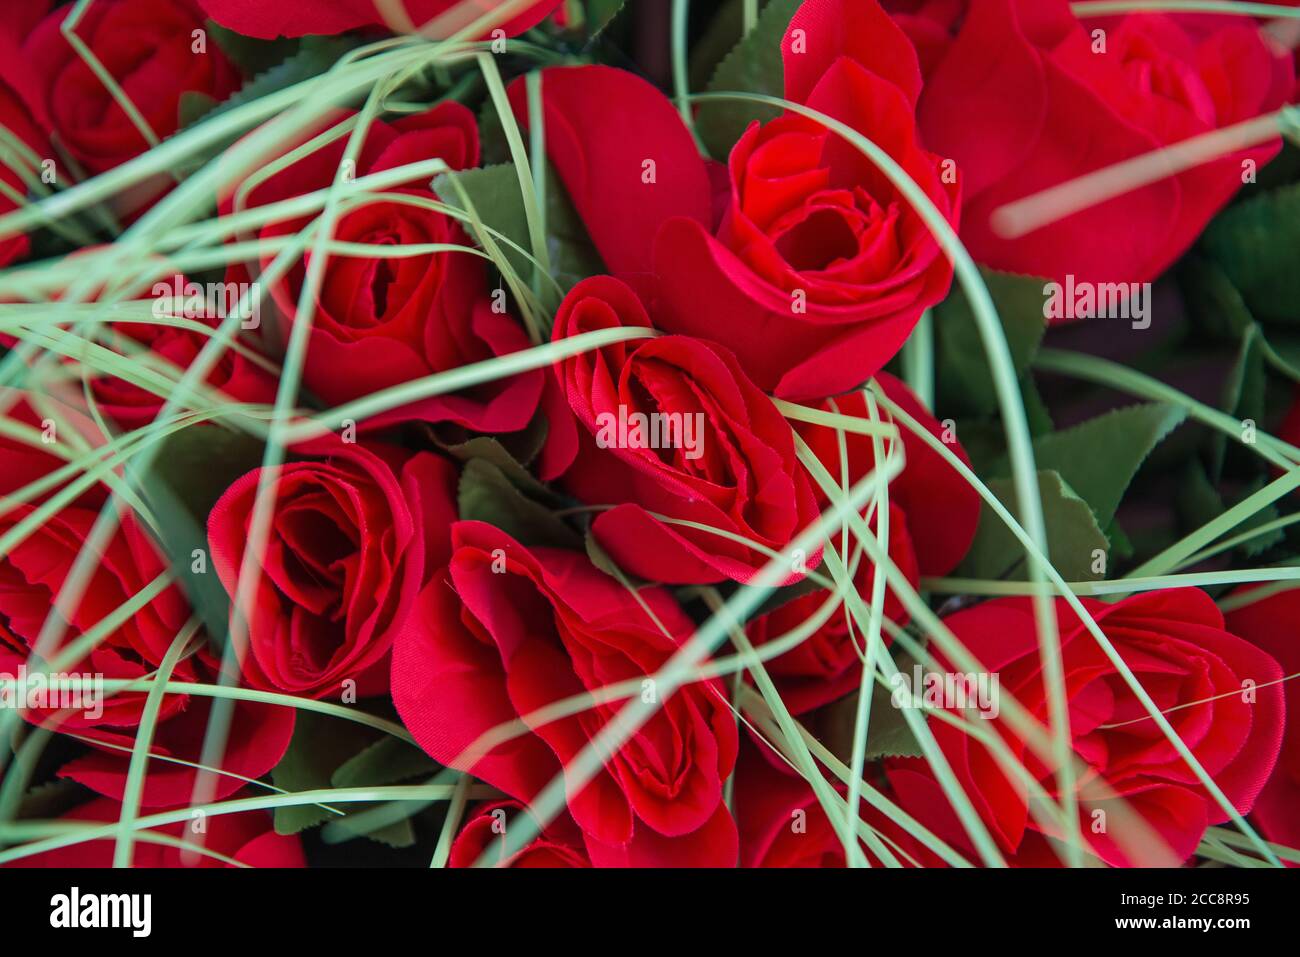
<point>251,55</point>
<point>962,376</point>
<point>1213,300</point>
<point>192,470</point>
<point>486,495</point>
<point>491,137</point>
<point>494,193</point>
<point>1257,242</point>
<point>193,106</point>
<point>510,452</point>
<point>315,55</point>
<point>1199,502</point>
<point>1243,393</point>
<point>600,14</point>
<point>1098,458</point>
<point>320,749</point>
<point>888,734</point>
<point>388,761</point>
<point>1073,534</point>
<point>753,66</point>
<point>1038,416</point>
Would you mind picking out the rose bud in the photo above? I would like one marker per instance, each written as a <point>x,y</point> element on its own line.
<point>149,48</point>
<point>506,630</point>
<point>380,321</point>
<point>353,530</point>
<point>725,455</point>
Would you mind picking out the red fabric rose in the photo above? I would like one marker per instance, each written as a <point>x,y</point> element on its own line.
<point>354,529</point>
<point>1273,624</point>
<point>783,824</point>
<point>23,462</point>
<point>506,630</point>
<point>33,573</point>
<point>148,47</point>
<point>257,18</point>
<point>929,24</point>
<point>819,269</point>
<point>731,466</point>
<point>1176,644</point>
<point>246,837</point>
<point>1022,103</point>
<point>26,123</point>
<point>559,844</point>
<point>382,321</point>
<point>933,514</point>
<point>236,376</point>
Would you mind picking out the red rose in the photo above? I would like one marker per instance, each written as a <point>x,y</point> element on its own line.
<point>1195,671</point>
<point>236,376</point>
<point>18,93</point>
<point>33,573</point>
<point>933,514</point>
<point>1022,103</point>
<point>246,837</point>
<point>726,461</point>
<point>504,631</point>
<point>819,269</point>
<point>149,48</point>
<point>558,845</point>
<point>383,321</point>
<point>352,530</point>
<point>929,24</point>
<point>783,824</point>
<point>257,18</point>
<point>1273,623</point>
<point>23,462</point>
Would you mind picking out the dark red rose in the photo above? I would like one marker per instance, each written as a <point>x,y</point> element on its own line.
<point>257,18</point>
<point>257,739</point>
<point>1023,102</point>
<point>236,375</point>
<point>246,837</point>
<point>558,845</point>
<point>32,459</point>
<point>726,461</point>
<point>1273,624</point>
<point>33,573</point>
<point>929,24</point>
<point>933,514</point>
<point>382,321</point>
<point>20,114</point>
<point>353,532</point>
<point>1199,676</point>
<point>149,47</point>
<point>819,269</point>
<point>504,631</point>
<point>782,823</point>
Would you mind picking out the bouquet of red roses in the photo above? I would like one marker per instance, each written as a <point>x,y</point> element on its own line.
<point>627,434</point>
